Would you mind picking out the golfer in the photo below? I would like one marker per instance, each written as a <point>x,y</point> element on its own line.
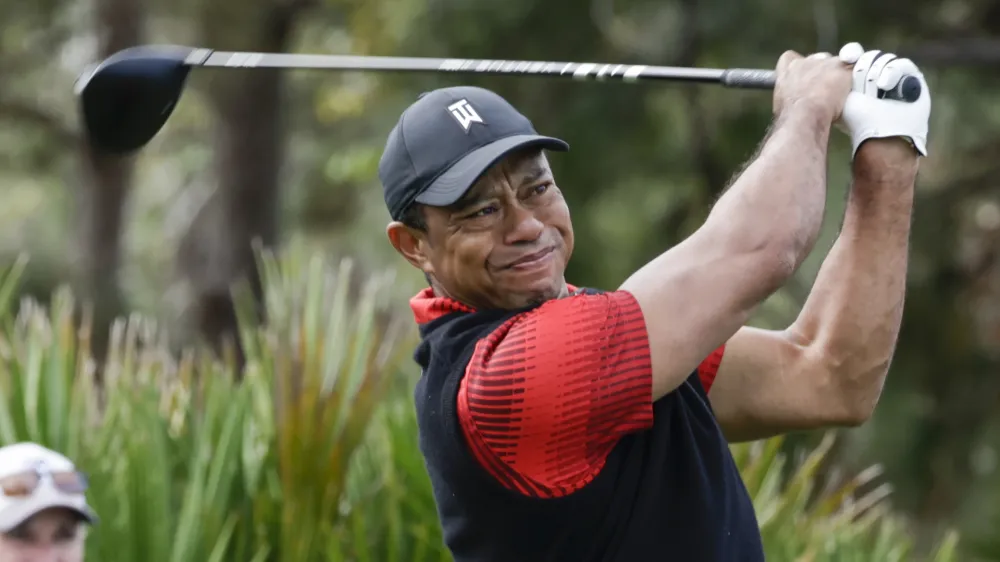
<point>563,423</point>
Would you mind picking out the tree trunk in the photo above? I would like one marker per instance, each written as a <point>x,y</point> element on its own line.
<point>218,249</point>
<point>102,193</point>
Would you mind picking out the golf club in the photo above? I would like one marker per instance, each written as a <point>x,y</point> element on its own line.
<point>126,99</point>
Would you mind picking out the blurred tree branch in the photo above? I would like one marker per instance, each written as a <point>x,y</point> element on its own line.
<point>965,51</point>
<point>962,188</point>
<point>20,111</point>
<point>626,36</point>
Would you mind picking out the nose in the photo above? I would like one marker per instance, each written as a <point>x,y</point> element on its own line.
<point>522,226</point>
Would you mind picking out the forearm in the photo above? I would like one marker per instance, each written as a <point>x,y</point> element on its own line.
<point>852,317</point>
<point>696,295</point>
<point>777,203</point>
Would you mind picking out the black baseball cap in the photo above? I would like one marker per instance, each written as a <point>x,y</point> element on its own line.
<point>446,140</point>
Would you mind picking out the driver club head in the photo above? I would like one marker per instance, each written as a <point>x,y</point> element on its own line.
<point>126,99</point>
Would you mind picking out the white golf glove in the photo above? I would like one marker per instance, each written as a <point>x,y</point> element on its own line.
<point>866,116</point>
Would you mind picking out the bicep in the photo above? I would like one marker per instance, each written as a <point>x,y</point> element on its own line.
<point>697,295</point>
<point>768,384</point>
<point>548,395</point>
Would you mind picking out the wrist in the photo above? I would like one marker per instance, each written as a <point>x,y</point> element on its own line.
<point>885,160</point>
<point>807,115</point>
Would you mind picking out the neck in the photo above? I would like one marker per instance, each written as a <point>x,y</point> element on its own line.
<point>534,300</point>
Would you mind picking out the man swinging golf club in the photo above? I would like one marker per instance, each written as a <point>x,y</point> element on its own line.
<point>569,424</point>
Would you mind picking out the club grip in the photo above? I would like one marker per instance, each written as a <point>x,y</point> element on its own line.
<point>748,78</point>
<point>908,90</point>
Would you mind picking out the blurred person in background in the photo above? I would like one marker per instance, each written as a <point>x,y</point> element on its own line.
<point>44,513</point>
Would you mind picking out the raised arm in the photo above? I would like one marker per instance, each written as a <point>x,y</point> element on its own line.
<point>698,294</point>
<point>829,366</point>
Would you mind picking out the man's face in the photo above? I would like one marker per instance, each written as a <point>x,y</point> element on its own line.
<point>53,535</point>
<point>505,244</point>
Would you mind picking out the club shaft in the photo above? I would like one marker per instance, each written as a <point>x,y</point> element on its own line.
<point>743,78</point>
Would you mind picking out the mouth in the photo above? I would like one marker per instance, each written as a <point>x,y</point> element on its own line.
<point>532,260</point>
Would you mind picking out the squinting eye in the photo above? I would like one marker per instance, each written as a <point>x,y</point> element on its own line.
<point>483,212</point>
<point>540,189</point>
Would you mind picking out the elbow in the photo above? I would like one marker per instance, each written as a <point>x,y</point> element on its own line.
<point>847,392</point>
<point>857,393</point>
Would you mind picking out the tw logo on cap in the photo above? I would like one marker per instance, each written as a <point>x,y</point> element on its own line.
<point>465,114</point>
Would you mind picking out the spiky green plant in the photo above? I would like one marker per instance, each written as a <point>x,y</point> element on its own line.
<point>803,521</point>
<point>190,462</point>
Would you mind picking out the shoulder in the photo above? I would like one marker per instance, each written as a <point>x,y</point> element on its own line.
<point>558,326</point>
<point>582,312</point>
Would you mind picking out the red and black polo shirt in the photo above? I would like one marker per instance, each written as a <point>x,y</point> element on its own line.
<point>543,443</point>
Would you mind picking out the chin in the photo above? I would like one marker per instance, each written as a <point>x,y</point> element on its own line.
<point>536,293</point>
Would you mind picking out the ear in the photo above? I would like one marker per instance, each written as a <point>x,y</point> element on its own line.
<point>411,244</point>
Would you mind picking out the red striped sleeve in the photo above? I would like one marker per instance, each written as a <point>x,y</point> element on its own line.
<point>547,396</point>
<point>709,368</point>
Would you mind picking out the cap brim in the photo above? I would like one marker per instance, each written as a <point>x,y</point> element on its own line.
<point>450,186</point>
<point>14,515</point>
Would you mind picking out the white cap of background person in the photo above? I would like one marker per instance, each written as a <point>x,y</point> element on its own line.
<point>25,458</point>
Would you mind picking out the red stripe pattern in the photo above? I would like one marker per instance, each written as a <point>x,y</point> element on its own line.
<point>547,396</point>
<point>709,368</point>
